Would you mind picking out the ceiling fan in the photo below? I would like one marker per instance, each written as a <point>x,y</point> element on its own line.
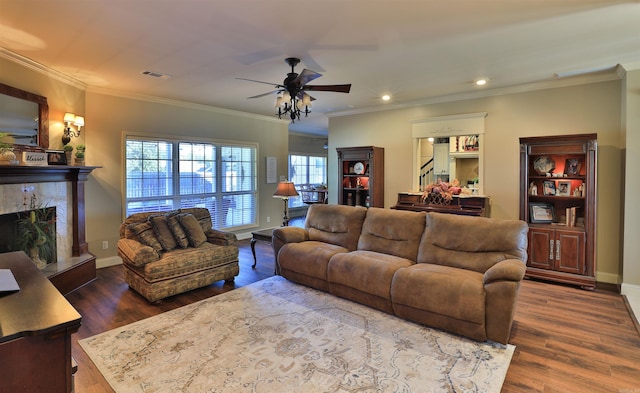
<point>292,97</point>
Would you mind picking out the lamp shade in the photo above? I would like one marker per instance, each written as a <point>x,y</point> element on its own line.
<point>285,189</point>
<point>79,121</point>
<point>69,117</point>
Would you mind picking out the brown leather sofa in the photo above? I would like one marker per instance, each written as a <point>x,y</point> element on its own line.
<point>164,254</point>
<point>456,273</point>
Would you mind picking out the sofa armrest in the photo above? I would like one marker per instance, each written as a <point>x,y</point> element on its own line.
<point>284,235</point>
<point>507,270</point>
<point>221,238</point>
<point>135,253</point>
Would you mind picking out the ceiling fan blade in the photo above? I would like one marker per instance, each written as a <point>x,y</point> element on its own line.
<point>335,88</point>
<point>306,76</point>
<point>266,83</point>
<point>265,94</point>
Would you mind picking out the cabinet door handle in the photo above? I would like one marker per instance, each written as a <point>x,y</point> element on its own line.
<point>551,246</point>
<point>557,250</point>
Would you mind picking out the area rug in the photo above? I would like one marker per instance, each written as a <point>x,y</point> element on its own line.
<point>277,336</point>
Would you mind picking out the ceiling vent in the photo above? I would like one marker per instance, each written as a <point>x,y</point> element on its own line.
<point>156,74</point>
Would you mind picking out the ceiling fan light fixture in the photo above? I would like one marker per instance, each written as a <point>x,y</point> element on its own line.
<point>292,99</point>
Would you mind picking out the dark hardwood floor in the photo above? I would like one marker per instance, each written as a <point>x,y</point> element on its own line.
<point>567,339</point>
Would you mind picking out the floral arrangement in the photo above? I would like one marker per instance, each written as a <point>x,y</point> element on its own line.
<point>442,192</point>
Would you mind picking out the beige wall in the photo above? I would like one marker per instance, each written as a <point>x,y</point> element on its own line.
<point>631,244</point>
<point>107,118</point>
<point>589,108</point>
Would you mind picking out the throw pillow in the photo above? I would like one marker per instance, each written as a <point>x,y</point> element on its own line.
<point>145,233</point>
<point>163,232</point>
<point>194,231</point>
<point>176,229</point>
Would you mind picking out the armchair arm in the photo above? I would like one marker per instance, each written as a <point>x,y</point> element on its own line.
<point>135,253</point>
<point>507,270</point>
<point>221,238</point>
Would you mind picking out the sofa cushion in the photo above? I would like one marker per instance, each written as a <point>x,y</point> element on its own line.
<point>335,224</point>
<point>443,290</point>
<point>181,262</point>
<point>163,232</point>
<point>193,230</point>
<point>306,262</point>
<point>145,234</point>
<point>177,230</point>
<point>202,215</point>
<point>364,277</point>
<point>392,232</point>
<point>474,243</point>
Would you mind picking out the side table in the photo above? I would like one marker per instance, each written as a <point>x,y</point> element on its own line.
<point>264,235</point>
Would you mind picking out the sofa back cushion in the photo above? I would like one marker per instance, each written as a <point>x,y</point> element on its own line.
<point>473,243</point>
<point>393,232</point>
<point>335,224</point>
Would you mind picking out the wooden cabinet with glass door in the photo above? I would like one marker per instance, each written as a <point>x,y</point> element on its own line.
<point>361,176</point>
<point>558,200</point>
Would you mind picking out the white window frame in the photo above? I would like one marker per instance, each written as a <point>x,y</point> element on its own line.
<point>232,199</point>
<point>306,184</point>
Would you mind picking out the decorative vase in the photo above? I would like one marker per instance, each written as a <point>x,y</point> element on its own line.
<point>69,156</point>
<point>34,254</point>
<point>79,161</point>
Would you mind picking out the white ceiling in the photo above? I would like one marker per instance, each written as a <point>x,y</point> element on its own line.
<point>414,50</point>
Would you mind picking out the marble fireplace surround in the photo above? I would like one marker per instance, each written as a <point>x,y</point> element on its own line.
<point>61,186</point>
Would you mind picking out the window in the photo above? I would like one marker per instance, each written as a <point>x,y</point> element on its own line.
<point>163,175</point>
<point>306,172</point>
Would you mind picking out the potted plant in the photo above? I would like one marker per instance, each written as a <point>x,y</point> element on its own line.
<point>68,150</point>
<point>80,149</point>
<point>35,233</point>
<point>6,150</point>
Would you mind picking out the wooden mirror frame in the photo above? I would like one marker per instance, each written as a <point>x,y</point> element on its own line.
<point>43,112</point>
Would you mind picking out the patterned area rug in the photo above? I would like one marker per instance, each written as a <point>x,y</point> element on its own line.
<point>277,336</point>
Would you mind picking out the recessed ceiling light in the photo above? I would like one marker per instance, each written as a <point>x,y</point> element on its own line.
<point>481,81</point>
<point>386,97</point>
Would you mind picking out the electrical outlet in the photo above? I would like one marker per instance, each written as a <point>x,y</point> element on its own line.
<point>268,219</point>
<point>105,244</point>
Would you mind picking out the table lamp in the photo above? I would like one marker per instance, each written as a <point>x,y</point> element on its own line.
<point>285,190</point>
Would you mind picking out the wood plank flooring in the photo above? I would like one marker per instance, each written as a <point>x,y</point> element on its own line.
<point>567,339</point>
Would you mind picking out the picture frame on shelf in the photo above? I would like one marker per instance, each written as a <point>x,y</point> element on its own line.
<point>540,213</point>
<point>564,188</point>
<point>572,166</point>
<point>56,157</point>
<point>549,187</point>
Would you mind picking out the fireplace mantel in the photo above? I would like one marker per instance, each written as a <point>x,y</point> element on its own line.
<point>65,277</point>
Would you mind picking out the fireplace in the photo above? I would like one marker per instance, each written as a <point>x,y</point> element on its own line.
<point>61,187</point>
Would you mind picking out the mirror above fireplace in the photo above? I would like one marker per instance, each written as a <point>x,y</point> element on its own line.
<point>24,116</point>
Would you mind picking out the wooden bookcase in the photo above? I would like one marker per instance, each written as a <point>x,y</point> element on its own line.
<point>361,176</point>
<point>558,200</point>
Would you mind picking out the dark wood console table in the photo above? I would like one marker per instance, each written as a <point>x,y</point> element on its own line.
<point>473,205</point>
<point>36,324</point>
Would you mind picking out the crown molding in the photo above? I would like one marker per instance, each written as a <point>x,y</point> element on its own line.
<point>183,104</point>
<point>42,69</point>
<point>614,74</point>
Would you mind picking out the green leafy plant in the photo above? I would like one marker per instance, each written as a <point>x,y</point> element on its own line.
<point>36,228</point>
<point>4,145</point>
<point>80,151</point>
<point>67,148</point>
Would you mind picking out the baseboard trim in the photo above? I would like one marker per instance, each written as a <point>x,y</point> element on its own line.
<point>106,262</point>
